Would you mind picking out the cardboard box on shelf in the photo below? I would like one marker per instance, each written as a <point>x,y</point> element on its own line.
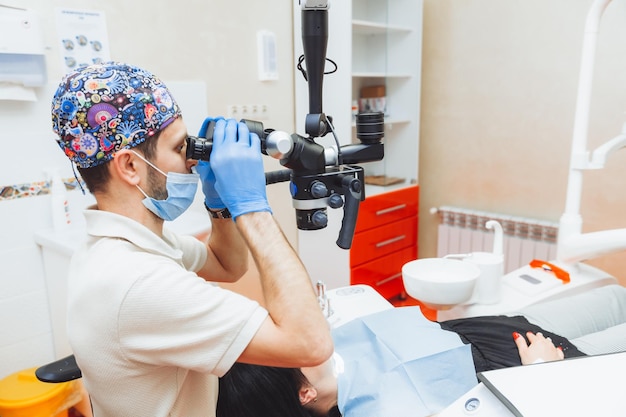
<point>373,91</point>
<point>372,99</point>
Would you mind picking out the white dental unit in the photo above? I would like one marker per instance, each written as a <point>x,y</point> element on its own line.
<point>540,281</point>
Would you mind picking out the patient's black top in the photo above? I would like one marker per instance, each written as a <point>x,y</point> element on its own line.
<point>486,334</point>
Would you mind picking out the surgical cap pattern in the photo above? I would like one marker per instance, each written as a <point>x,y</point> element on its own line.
<point>100,109</point>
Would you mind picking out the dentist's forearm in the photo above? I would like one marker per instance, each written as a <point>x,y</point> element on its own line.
<point>287,288</point>
<point>227,253</point>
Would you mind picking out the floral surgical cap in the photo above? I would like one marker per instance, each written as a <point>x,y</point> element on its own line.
<point>100,109</point>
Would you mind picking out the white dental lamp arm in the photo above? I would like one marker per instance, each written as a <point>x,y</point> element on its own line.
<point>571,222</point>
<point>584,246</point>
<point>572,245</point>
<point>601,153</point>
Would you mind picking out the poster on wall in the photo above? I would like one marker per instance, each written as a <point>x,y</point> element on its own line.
<point>83,38</point>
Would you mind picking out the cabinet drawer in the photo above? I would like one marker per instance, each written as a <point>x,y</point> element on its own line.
<point>381,241</point>
<point>387,207</point>
<point>384,274</point>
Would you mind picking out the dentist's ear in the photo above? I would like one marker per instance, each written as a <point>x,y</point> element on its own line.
<point>307,394</point>
<point>125,166</point>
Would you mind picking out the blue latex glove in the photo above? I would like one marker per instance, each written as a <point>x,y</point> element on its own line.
<point>207,177</point>
<point>238,167</point>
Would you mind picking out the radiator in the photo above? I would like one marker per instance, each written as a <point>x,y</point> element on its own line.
<point>463,231</point>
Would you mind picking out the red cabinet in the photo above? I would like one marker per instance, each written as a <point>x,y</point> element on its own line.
<point>384,240</point>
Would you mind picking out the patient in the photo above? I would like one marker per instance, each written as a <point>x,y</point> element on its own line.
<point>396,361</point>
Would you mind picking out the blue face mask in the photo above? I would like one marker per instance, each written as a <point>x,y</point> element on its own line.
<point>181,190</point>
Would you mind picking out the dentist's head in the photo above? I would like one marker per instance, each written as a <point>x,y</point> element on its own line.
<point>121,127</point>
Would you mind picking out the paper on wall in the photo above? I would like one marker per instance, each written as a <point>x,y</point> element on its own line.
<point>83,38</point>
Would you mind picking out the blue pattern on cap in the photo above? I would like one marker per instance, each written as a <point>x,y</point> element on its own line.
<point>100,109</point>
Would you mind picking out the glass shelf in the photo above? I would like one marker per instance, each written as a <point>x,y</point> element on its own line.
<point>363,27</point>
<point>365,74</point>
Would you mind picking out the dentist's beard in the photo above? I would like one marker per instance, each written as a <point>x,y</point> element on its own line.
<point>157,185</point>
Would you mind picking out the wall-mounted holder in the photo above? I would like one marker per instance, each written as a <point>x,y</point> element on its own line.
<point>22,59</point>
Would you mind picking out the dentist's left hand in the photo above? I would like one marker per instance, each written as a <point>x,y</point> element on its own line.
<point>207,177</point>
<point>211,197</point>
<point>237,163</point>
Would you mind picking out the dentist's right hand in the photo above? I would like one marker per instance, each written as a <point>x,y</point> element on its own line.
<point>236,161</point>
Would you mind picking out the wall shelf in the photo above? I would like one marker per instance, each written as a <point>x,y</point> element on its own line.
<point>374,43</point>
<point>362,27</point>
<point>380,75</point>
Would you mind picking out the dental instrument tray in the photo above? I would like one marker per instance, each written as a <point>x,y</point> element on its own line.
<point>580,386</point>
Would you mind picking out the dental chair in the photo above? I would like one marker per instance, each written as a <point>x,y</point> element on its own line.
<point>340,306</point>
<point>62,370</point>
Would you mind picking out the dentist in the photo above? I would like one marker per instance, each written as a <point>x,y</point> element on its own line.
<point>150,330</point>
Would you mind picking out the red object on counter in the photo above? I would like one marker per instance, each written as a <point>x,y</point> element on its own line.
<point>560,273</point>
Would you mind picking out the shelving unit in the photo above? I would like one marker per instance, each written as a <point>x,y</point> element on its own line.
<point>373,42</point>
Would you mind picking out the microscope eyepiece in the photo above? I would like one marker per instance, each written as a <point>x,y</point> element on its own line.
<point>200,148</point>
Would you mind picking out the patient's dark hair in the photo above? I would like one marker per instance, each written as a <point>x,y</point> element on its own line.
<point>261,391</point>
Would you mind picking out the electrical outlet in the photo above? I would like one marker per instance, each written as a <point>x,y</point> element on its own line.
<point>264,113</point>
<point>247,111</point>
<point>233,111</point>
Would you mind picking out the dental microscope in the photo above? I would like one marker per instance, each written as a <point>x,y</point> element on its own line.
<point>319,176</point>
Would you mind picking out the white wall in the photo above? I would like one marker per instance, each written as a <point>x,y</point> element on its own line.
<point>212,42</point>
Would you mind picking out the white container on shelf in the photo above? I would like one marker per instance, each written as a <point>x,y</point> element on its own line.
<point>60,206</point>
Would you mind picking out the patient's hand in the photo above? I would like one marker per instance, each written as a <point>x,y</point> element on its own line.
<point>539,348</point>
